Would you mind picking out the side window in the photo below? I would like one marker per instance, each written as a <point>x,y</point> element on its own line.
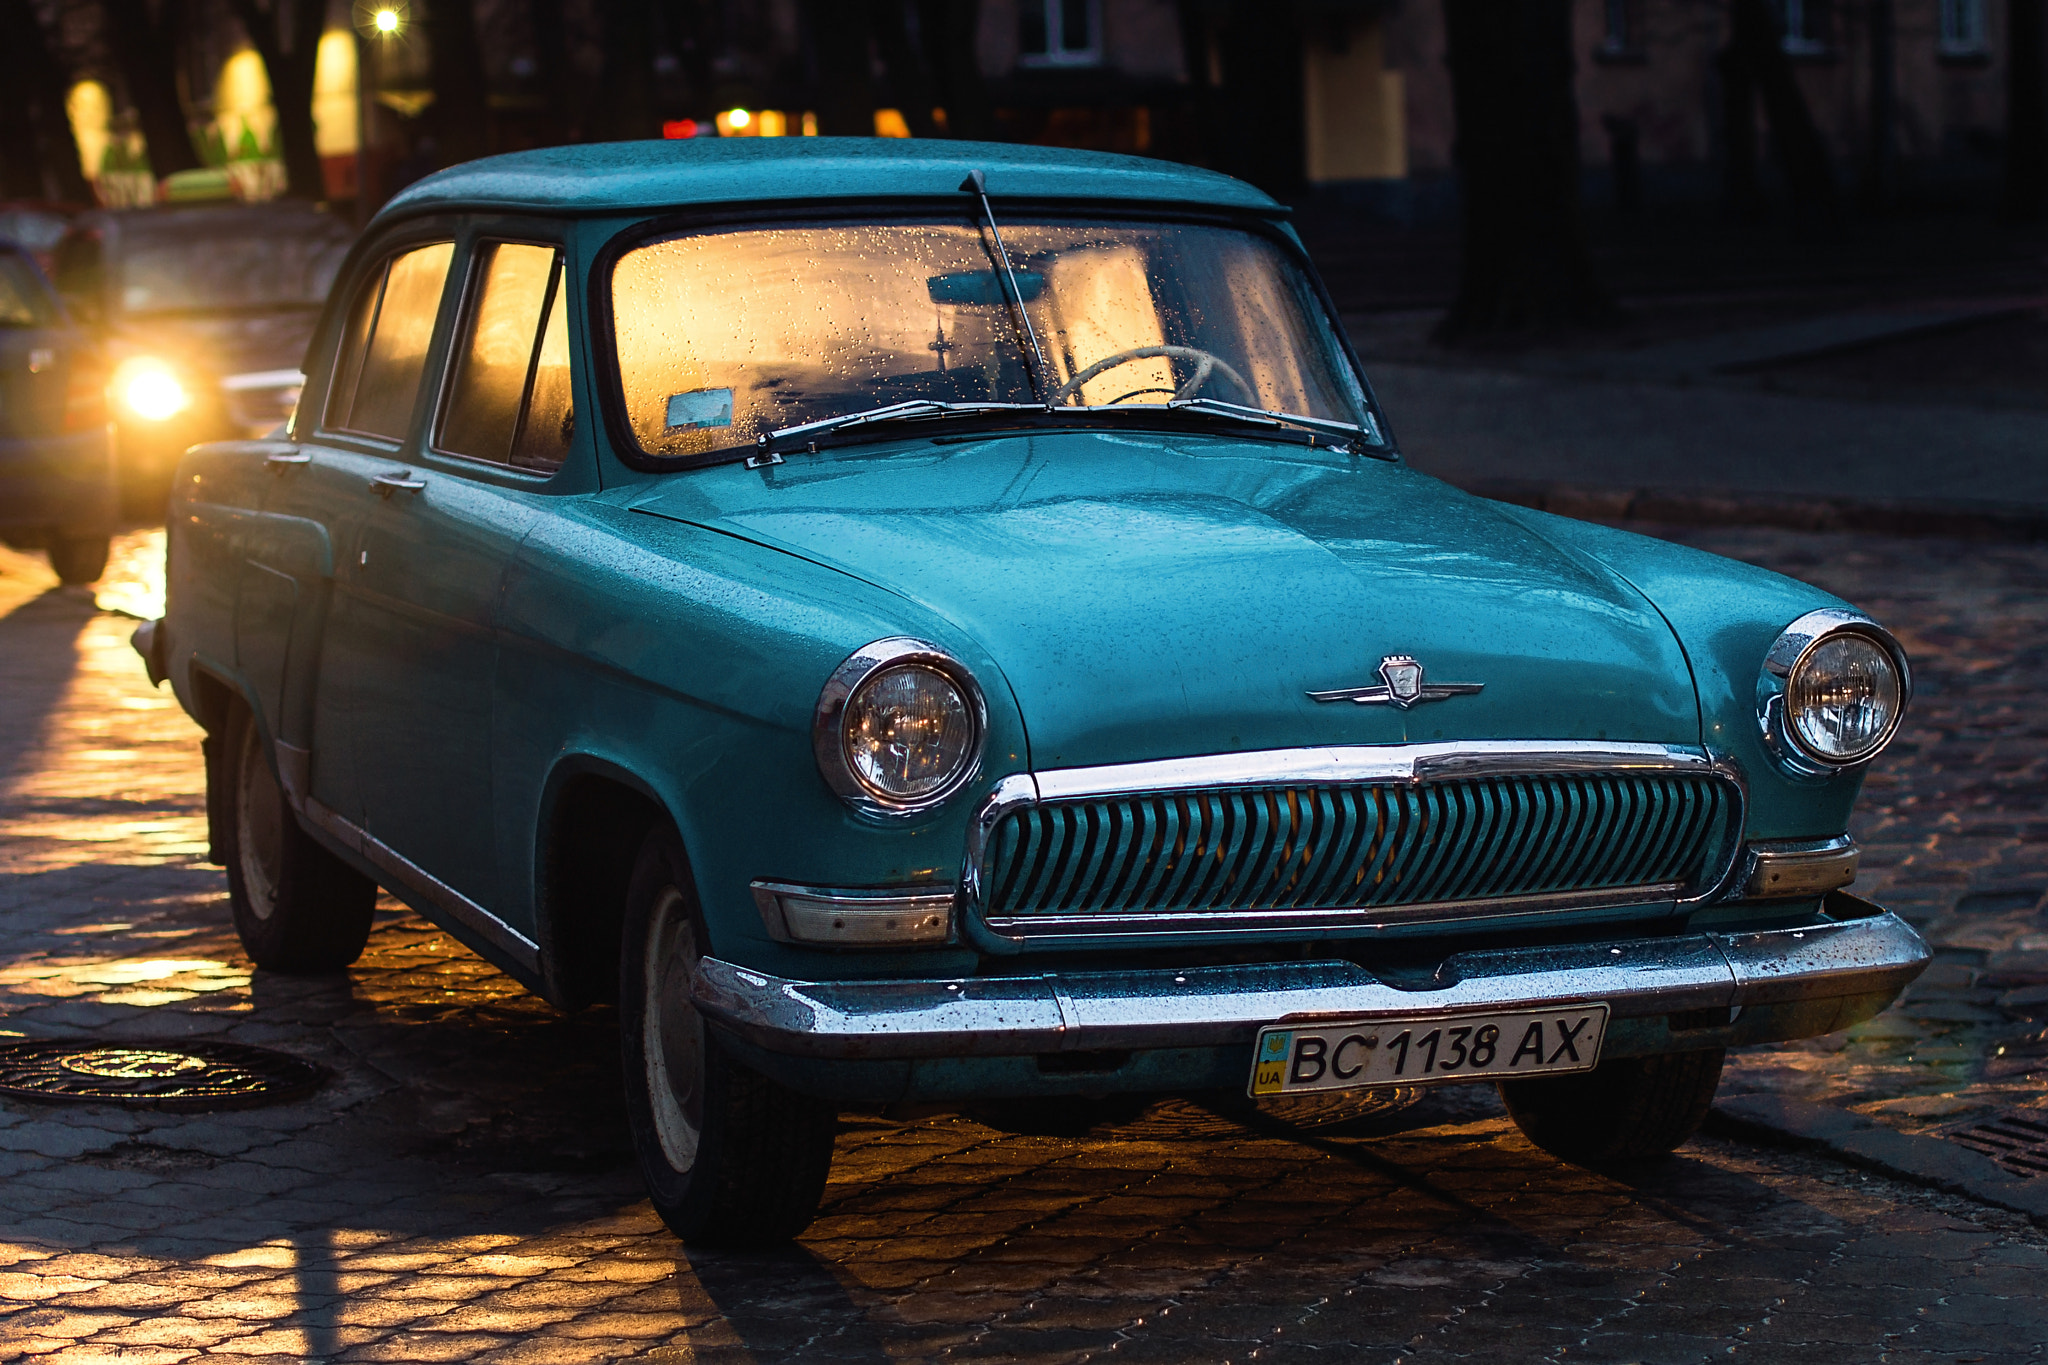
<point>385,349</point>
<point>509,400</point>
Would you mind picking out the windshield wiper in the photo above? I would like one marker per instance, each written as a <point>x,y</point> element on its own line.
<point>909,410</point>
<point>1367,431</point>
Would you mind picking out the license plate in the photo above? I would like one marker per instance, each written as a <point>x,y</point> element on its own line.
<point>1360,1055</point>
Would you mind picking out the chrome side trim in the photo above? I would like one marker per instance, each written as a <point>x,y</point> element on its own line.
<point>1363,764</point>
<point>294,770</point>
<point>1226,1006</point>
<point>1804,868</point>
<point>403,873</point>
<point>875,917</point>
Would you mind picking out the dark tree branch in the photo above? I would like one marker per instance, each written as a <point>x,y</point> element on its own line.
<point>2026,110</point>
<point>1525,264</point>
<point>291,71</point>
<point>43,154</point>
<point>460,114</point>
<point>1755,41</point>
<point>948,28</point>
<point>145,49</point>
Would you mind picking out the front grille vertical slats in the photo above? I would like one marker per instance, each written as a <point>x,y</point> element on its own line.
<point>1336,847</point>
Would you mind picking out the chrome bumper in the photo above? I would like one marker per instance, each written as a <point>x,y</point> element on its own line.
<point>1862,962</point>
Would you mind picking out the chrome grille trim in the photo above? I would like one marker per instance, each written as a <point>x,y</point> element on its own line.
<point>1179,896</point>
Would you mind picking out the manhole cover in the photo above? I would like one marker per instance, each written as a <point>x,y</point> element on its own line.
<point>2016,1140</point>
<point>154,1075</point>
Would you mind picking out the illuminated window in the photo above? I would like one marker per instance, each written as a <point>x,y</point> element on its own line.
<point>1059,33</point>
<point>1961,28</point>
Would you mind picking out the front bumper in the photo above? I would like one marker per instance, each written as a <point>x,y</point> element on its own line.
<point>1167,1029</point>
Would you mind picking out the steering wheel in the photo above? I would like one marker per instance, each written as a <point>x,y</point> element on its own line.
<point>1205,363</point>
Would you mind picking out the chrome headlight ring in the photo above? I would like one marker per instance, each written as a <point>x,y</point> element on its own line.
<point>829,725</point>
<point>1795,646</point>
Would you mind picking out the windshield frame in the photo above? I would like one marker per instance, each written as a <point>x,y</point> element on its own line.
<point>607,375</point>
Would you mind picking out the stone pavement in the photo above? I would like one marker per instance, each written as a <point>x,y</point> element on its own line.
<point>1616,422</point>
<point>461,1189</point>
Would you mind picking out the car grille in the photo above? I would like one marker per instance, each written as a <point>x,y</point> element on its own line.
<point>1352,848</point>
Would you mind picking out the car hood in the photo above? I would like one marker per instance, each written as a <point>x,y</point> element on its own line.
<point>1149,596</point>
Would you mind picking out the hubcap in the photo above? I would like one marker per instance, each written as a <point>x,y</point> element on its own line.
<point>259,828</point>
<point>672,1036</point>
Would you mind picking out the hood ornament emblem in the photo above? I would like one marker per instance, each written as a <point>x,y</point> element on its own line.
<point>1401,685</point>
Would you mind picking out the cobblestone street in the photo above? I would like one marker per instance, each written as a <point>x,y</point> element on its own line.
<point>462,1189</point>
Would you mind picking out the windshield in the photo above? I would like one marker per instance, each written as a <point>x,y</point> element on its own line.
<point>181,274</point>
<point>723,335</point>
<point>24,300</point>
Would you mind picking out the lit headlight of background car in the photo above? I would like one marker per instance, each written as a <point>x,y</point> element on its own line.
<point>151,389</point>
<point>898,727</point>
<point>1832,692</point>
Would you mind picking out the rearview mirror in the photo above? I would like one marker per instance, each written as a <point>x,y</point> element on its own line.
<point>982,287</point>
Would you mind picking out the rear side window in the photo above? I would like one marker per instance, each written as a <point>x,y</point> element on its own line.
<point>509,398</point>
<point>384,351</point>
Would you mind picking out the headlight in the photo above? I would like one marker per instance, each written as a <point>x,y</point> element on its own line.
<point>898,727</point>
<point>148,389</point>
<point>1832,692</point>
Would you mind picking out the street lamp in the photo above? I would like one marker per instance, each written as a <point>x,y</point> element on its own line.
<point>385,19</point>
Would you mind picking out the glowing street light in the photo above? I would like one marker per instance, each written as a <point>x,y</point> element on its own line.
<point>385,20</point>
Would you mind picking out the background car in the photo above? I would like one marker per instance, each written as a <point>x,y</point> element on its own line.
<point>56,464</point>
<point>203,315</point>
<point>939,622</point>
<point>37,225</point>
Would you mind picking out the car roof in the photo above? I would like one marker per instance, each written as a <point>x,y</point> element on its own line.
<point>613,177</point>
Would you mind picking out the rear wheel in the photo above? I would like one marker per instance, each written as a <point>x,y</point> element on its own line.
<point>297,907</point>
<point>79,560</point>
<point>731,1157</point>
<point>1627,1110</point>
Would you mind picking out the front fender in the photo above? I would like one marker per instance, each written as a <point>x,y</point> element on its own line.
<point>1726,615</point>
<point>688,664</point>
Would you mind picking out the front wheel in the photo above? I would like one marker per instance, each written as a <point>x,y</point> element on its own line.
<point>297,907</point>
<point>78,560</point>
<point>731,1158</point>
<point>1628,1110</point>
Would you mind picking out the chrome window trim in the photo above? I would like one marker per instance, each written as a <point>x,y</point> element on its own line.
<point>1377,764</point>
<point>828,720</point>
<point>1794,643</point>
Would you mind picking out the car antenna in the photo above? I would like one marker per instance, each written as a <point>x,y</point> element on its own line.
<point>976,184</point>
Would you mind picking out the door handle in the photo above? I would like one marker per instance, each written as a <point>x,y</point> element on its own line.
<point>385,484</point>
<point>280,462</point>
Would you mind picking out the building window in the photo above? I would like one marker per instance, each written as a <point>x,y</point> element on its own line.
<point>1961,28</point>
<point>1805,26</point>
<point>1059,33</point>
<point>1621,39</point>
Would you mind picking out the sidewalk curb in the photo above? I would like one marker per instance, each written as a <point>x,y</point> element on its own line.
<point>1957,520</point>
<point>1864,1142</point>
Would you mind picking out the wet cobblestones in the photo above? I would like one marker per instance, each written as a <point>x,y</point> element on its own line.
<point>461,1190</point>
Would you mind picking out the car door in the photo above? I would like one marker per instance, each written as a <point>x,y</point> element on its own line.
<point>416,619</point>
<point>315,508</point>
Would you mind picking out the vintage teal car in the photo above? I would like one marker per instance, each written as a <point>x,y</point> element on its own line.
<point>931,622</point>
